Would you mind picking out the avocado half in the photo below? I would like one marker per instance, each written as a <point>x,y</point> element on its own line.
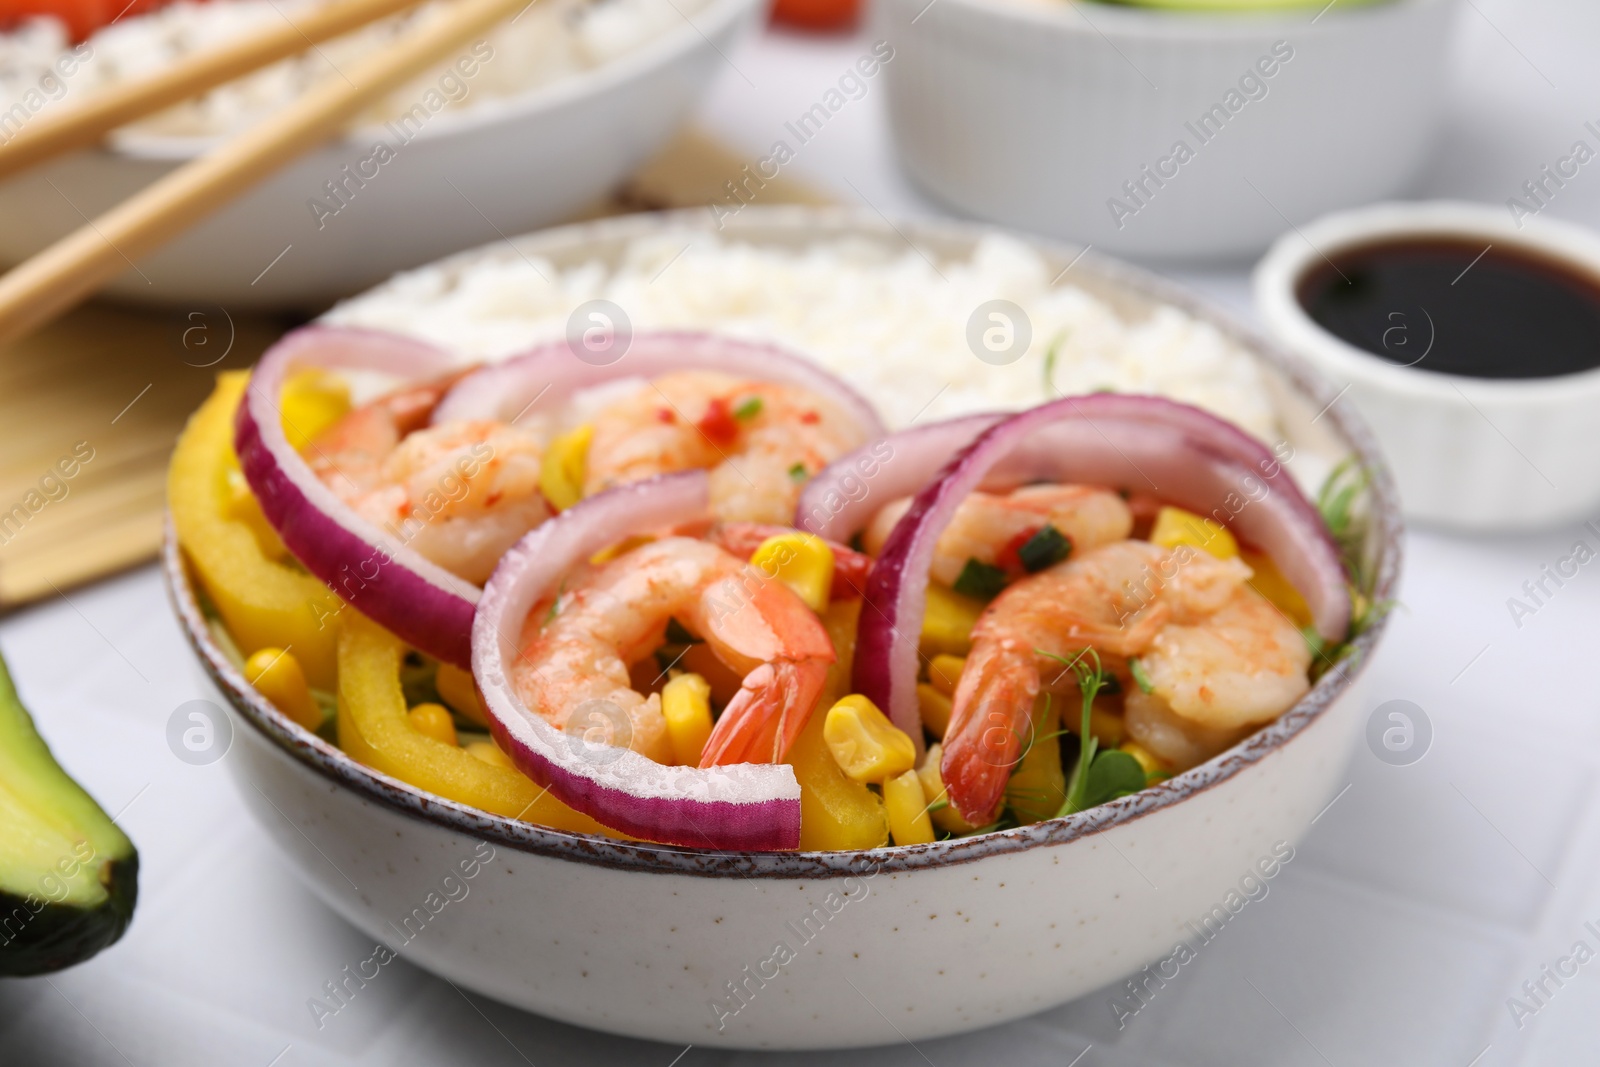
<point>68,875</point>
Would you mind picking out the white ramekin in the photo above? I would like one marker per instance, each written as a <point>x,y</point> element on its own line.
<point>1034,113</point>
<point>1468,452</point>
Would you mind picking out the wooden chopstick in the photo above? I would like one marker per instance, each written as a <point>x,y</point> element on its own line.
<point>62,275</point>
<point>61,130</point>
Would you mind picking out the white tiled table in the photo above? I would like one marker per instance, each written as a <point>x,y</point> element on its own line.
<point>1423,898</point>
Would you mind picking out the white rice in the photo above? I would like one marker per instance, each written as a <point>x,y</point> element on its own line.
<point>551,40</point>
<point>890,324</point>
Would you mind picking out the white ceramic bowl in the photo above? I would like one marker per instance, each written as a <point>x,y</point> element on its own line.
<point>1467,452</point>
<point>1034,113</point>
<point>894,944</point>
<point>498,167</point>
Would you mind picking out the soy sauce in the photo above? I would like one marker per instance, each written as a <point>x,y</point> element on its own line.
<point>1448,306</point>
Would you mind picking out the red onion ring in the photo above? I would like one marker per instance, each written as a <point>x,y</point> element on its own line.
<point>841,499</point>
<point>742,806</point>
<point>1178,452</point>
<point>549,374</point>
<point>416,599</point>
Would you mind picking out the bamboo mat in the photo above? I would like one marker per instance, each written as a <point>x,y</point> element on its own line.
<point>103,393</point>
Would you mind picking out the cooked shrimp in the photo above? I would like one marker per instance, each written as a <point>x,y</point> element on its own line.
<point>760,441</point>
<point>1222,659</point>
<point>459,493</point>
<point>988,525</point>
<point>578,652</point>
<point>1177,742</point>
<point>1243,665</point>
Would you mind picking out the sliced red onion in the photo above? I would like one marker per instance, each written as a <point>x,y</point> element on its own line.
<point>841,499</point>
<point>742,806</point>
<point>419,601</point>
<point>546,376</point>
<point>1176,452</point>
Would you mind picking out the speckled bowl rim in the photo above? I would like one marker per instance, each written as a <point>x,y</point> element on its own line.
<point>1386,528</point>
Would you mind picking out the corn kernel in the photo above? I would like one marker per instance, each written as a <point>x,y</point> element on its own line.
<point>947,623</point>
<point>1037,788</point>
<point>565,464</point>
<point>490,753</point>
<point>460,692</point>
<point>935,708</point>
<point>867,746</point>
<point>686,705</point>
<point>433,720</point>
<point>909,823</point>
<point>801,561</point>
<point>311,402</point>
<point>944,672</point>
<point>1144,756</point>
<point>277,675</point>
<point>1175,526</point>
<point>940,810</point>
<point>1266,579</point>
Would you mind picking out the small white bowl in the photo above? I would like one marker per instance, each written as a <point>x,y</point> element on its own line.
<point>1034,113</point>
<point>501,166</point>
<point>1468,452</point>
<point>890,945</point>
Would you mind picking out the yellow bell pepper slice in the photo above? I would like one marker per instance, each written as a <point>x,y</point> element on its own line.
<point>265,603</point>
<point>458,690</point>
<point>686,705</point>
<point>1175,526</point>
<point>564,467</point>
<point>948,621</point>
<point>836,812</point>
<point>801,561</point>
<point>866,745</point>
<point>312,400</point>
<point>375,729</point>
<point>1266,579</point>
<point>909,823</point>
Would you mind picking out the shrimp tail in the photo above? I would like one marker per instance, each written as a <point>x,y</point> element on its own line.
<point>765,717</point>
<point>990,721</point>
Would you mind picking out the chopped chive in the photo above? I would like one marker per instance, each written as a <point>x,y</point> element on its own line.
<point>858,543</point>
<point>798,473</point>
<point>1112,685</point>
<point>981,580</point>
<point>678,634</point>
<point>1137,670</point>
<point>1045,548</point>
<point>748,409</point>
<point>555,605</point>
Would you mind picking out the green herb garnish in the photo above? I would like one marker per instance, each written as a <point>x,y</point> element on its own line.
<point>748,409</point>
<point>798,473</point>
<point>1098,776</point>
<point>1136,669</point>
<point>980,580</point>
<point>1045,548</point>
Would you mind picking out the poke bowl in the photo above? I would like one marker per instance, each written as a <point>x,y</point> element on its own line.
<point>751,942</point>
<point>526,127</point>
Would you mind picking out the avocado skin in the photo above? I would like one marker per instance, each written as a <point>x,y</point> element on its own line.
<point>37,939</point>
